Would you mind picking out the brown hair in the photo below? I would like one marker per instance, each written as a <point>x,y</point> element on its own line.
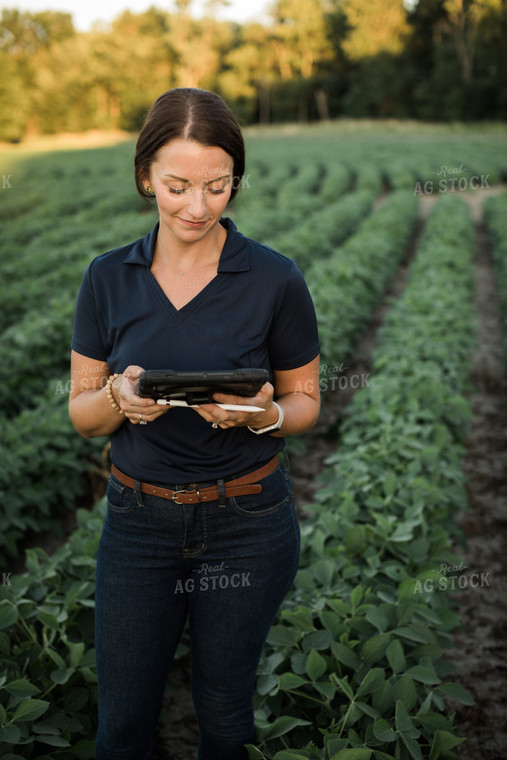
<point>191,114</point>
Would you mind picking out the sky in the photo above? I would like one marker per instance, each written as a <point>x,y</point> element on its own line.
<point>86,12</point>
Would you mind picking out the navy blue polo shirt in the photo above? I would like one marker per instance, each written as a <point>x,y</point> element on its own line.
<point>256,312</point>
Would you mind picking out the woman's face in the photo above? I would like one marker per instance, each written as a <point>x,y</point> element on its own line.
<point>192,184</point>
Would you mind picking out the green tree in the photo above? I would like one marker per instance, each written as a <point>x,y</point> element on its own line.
<point>374,27</point>
<point>299,37</point>
<point>27,41</point>
<point>200,47</point>
<point>463,23</point>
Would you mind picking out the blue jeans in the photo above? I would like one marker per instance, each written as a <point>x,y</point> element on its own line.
<point>228,569</point>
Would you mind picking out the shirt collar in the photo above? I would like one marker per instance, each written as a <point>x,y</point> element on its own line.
<point>235,255</point>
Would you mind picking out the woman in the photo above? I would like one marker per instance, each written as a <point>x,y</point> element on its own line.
<point>194,294</point>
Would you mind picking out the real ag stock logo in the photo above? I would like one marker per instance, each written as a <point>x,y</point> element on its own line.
<point>451,180</point>
<point>450,577</point>
<point>335,379</point>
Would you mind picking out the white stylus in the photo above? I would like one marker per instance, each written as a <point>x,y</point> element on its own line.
<point>227,407</point>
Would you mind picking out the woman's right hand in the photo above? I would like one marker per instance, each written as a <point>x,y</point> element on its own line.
<point>135,408</point>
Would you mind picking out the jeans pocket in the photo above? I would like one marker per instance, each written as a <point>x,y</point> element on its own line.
<point>276,493</point>
<point>120,498</point>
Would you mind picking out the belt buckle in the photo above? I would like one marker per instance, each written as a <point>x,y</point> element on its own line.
<point>183,490</point>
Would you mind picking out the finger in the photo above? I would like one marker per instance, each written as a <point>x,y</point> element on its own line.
<point>211,412</point>
<point>137,418</point>
<point>262,398</point>
<point>133,372</point>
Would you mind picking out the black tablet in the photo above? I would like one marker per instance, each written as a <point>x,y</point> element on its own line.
<point>199,387</point>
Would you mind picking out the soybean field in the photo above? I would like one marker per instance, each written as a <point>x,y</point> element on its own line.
<point>389,644</point>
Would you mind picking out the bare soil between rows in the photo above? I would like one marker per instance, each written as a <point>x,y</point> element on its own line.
<point>479,656</point>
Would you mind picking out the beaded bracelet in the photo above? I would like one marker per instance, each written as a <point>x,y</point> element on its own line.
<point>109,392</point>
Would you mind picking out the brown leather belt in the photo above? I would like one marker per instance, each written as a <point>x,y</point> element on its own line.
<point>238,487</point>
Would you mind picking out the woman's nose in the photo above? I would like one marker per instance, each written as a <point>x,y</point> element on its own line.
<point>197,202</point>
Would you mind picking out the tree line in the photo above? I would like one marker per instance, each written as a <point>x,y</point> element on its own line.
<point>439,60</point>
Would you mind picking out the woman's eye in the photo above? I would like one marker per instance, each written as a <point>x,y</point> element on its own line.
<point>177,190</point>
<point>217,188</point>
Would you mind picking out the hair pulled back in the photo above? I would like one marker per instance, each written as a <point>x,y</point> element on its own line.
<point>189,113</point>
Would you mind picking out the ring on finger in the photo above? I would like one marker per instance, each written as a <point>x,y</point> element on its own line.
<point>216,423</point>
<point>141,421</point>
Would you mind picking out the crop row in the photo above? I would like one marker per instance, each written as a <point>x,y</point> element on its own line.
<point>355,666</point>
<point>348,284</point>
<point>496,222</point>
<point>318,236</point>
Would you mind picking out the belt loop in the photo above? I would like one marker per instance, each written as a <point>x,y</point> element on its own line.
<point>221,494</point>
<point>137,494</point>
<point>286,459</point>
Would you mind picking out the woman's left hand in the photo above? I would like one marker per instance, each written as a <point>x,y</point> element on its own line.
<point>226,419</point>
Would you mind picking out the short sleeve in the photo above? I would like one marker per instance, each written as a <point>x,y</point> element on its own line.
<point>87,338</point>
<point>294,338</point>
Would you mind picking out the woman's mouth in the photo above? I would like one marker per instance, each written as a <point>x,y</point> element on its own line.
<point>192,224</point>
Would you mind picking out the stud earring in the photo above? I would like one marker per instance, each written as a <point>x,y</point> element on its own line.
<point>149,189</point>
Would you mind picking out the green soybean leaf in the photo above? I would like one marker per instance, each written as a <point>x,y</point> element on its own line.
<point>46,727</point>
<point>345,655</point>
<point>76,652</point>
<point>253,752</point>
<point>330,621</point>
<point>281,635</point>
<point>345,686</point>
<point>22,687</point>
<point>290,681</point>
<point>383,731</point>
<point>10,734</point>
<point>8,614</point>
<point>368,710</point>
<point>404,690</point>
<point>323,571</point>
<point>457,692</point>
<point>300,618</point>
<point>412,746</point>
<point>390,483</point>
<point>315,665</point>
<point>395,656</point>
<point>281,726</point>
<point>404,722</point>
<point>378,618</point>
<point>62,676</point>
<point>49,620</point>
<point>30,709</point>
<point>334,744</point>
<point>357,596</point>
<point>423,675</point>
<point>443,741</point>
<point>372,682</point>
<point>374,649</point>
<point>326,688</point>
<point>266,684</point>
<point>53,741</point>
<point>353,754</point>
<point>434,721</point>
